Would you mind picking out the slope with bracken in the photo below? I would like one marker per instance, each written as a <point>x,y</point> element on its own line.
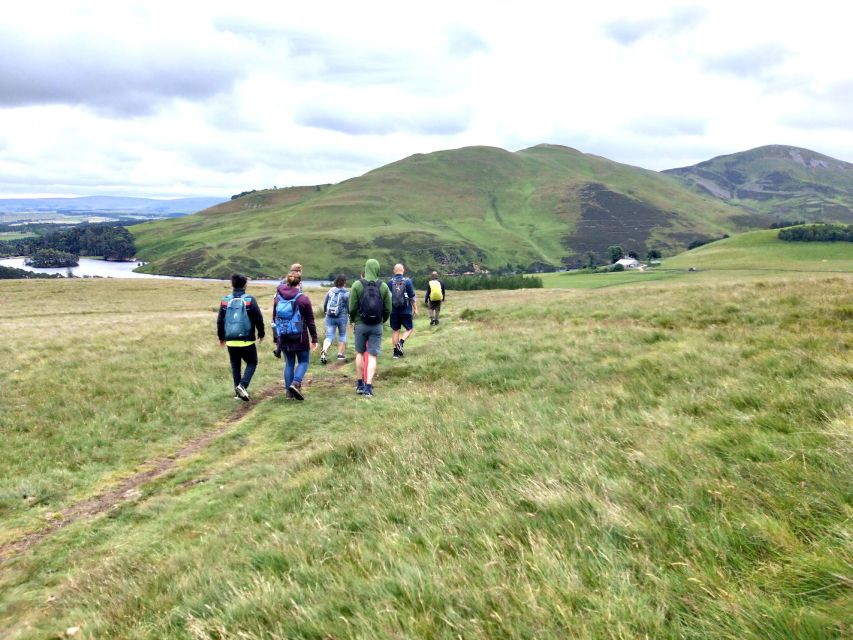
<point>475,207</point>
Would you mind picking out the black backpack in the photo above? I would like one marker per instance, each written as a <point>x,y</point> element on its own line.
<point>370,307</point>
<point>399,294</point>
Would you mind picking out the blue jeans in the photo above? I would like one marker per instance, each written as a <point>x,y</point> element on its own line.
<point>339,323</point>
<point>290,359</point>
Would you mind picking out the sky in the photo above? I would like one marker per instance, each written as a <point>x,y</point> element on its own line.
<point>172,99</point>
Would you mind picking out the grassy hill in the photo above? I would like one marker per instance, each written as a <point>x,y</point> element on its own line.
<point>450,210</point>
<point>782,182</point>
<point>675,465</point>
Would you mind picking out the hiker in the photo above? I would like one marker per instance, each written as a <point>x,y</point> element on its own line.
<point>239,318</point>
<point>294,320</point>
<point>434,297</point>
<point>336,312</point>
<point>369,308</point>
<point>403,306</point>
<point>295,268</point>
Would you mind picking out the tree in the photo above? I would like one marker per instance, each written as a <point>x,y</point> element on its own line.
<point>590,259</point>
<point>615,252</point>
<point>634,254</point>
<point>653,254</point>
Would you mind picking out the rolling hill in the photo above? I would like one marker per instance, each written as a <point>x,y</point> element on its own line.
<point>778,181</point>
<point>470,208</point>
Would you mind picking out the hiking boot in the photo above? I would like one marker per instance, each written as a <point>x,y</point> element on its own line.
<point>296,391</point>
<point>288,394</point>
<point>241,392</point>
<point>323,359</point>
<point>400,348</point>
<point>359,387</point>
<point>368,391</point>
<point>341,357</point>
<point>397,352</point>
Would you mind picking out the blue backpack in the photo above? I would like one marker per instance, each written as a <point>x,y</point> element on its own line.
<point>237,322</point>
<point>288,318</point>
<point>336,303</point>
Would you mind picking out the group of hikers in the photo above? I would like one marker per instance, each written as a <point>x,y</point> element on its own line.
<point>366,306</point>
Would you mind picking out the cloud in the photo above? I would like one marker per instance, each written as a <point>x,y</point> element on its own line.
<point>465,42</point>
<point>116,72</point>
<point>754,62</point>
<point>627,31</point>
<point>670,126</point>
<point>346,120</point>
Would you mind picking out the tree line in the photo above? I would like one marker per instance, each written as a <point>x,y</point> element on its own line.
<point>471,283</point>
<point>109,241</point>
<point>818,233</point>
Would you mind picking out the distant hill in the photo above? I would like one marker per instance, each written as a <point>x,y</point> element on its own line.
<point>469,208</point>
<point>777,181</point>
<point>763,250</point>
<point>106,204</point>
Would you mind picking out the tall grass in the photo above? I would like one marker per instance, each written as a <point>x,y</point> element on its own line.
<point>669,462</point>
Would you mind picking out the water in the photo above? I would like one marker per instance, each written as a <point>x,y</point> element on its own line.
<point>104,269</point>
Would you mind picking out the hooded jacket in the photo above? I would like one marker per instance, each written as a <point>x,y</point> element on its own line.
<point>371,274</point>
<point>286,292</point>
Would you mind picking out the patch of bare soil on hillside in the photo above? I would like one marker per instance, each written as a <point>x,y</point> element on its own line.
<point>129,488</point>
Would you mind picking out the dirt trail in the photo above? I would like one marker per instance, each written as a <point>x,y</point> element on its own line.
<point>128,489</point>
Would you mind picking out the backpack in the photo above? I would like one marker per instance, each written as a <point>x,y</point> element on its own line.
<point>399,294</point>
<point>237,322</point>
<point>370,307</point>
<point>435,291</point>
<point>335,306</point>
<point>288,318</point>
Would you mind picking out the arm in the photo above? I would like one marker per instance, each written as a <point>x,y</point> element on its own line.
<point>220,322</point>
<point>442,291</point>
<point>354,295</point>
<point>326,302</point>
<point>257,318</point>
<point>308,313</point>
<point>410,291</point>
<point>386,298</point>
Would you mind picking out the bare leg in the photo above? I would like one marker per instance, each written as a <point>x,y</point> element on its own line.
<point>359,366</point>
<point>370,369</point>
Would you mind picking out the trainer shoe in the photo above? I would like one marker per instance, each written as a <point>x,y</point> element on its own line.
<point>296,390</point>
<point>323,359</point>
<point>368,391</point>
<point>397,352</point>
<point>240,390</point>
<point>400,348</point>
<point>359,387</point>
<point>341,357</point>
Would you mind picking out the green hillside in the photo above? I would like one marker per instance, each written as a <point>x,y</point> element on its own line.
<point>759,250</point>
<point>777,182</point>
<point>476,207</point>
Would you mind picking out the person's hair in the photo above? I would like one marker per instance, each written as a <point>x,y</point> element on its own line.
<point>434,274</point>
<point>238,281</point>
<point>398,268</point>
<point>340,281</point>
<point>296,267</point>
<point>294,278</point>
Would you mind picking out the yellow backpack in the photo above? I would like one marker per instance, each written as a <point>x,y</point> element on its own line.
<point>435,291</point>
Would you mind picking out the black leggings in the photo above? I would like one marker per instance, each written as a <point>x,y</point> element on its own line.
<point>238,355</point>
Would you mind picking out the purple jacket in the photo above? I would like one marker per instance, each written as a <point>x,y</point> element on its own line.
<point>286,292</point>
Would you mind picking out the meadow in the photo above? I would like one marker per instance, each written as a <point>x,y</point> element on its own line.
<point>664,459</point>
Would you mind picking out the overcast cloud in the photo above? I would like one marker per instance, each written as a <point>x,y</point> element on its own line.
<point>213,98</point>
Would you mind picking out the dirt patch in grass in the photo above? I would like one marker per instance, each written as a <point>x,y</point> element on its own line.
<point>129,488</point>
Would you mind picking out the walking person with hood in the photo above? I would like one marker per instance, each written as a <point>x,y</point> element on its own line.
<point>239,317</point>
<point>336,312</point>
<point>294,320</point>
<point>369,309</point>
<point>434,297</point>
<point>403,306</point>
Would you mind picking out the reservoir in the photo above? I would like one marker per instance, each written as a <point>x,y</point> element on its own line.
<point>93,267</point>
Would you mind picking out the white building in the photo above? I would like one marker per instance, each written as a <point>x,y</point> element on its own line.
<point>629,263</point>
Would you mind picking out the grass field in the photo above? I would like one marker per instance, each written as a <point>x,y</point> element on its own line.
<point>669,459</point>
<point>15,235</point>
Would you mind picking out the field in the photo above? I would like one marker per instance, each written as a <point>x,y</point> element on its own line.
<point>667,459</point>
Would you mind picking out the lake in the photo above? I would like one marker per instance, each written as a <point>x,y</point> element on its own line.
<point>94,267</point>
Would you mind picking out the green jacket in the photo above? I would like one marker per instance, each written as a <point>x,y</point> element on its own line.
<point>371,274</point>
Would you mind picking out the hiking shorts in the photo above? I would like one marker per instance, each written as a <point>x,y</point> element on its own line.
<point>339,323</point>
<point>398,320</point>
<point>368,337</point>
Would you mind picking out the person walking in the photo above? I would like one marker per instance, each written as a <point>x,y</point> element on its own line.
<point>404,306</point>
<point>239,317</point>
<point>434,297</point>
<point>336,312</point>
<point>294,320</point>
<point>295,268</point>
<point>369,309</point>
